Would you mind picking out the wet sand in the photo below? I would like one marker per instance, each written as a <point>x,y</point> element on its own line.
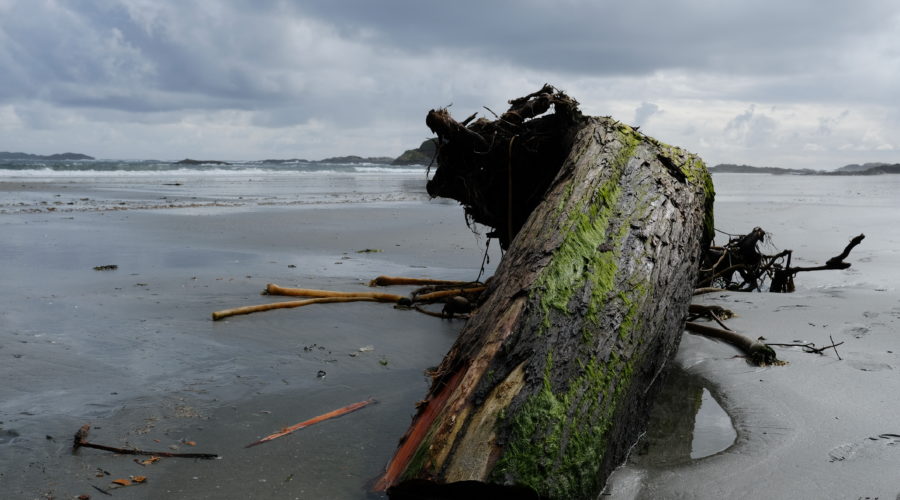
<point>134,353</point>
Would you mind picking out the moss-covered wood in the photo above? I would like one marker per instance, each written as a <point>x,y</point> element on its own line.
<point>550,382</point>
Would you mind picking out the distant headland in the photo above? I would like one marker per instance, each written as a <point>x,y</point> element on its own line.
<point>188,161</point>
<point>852,169</point>
<point>5,155</point>
<point>421,155</point>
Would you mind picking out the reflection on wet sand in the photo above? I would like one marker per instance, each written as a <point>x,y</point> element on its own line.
<point>686,424</point>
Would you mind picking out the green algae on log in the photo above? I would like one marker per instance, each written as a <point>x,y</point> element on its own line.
<point>551,380</point>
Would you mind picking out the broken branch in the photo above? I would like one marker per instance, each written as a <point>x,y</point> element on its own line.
<point>81,441</point>
<point>332,414</point>
<point>429,297</point>
<point>395,280</point>
<point>273,289</point>
<point>757,352</point>
<point>838,260</point>
<point>284,305</point>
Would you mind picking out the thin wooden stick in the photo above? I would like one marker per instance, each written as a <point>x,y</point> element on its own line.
<point>81,441</point>
<point>719,321</point>
<point>438,314</point>
<point>273,289</point>
<point>709,289</point>
<point>829,337</point>
<point>332,414</point>
<point>394,280</point>
<point>427,297</point>
<point>283,305</point>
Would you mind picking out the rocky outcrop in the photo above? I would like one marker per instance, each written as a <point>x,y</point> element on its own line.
<point>422,155</point>
<point>353,159</point>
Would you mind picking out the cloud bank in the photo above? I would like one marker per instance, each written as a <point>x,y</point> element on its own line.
<point>803,84</point>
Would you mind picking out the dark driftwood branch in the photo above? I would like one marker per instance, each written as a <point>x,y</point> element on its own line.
<point>756,351</point>
<point>710,311</point>
<point>839,259</point>
<point>398,280</point>
<point>81,441</point>
<point>741,255</point>
<point>782,281</point>
<point>446,128</point>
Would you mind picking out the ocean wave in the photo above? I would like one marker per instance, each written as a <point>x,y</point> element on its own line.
<point>50,173</point>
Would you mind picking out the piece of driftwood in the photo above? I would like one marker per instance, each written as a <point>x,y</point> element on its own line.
<point>444,294</point>
<point>757,351</point>
<point>315,420</point>
<point>449,292</point>
<point>395,280</point>
<point>80,441</point>
<point>273,289</point>
<point>217,315</point>
<point>550,381</point>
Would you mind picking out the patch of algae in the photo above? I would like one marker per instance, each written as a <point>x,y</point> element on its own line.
<point>559,454</point>
<point>582,255</point>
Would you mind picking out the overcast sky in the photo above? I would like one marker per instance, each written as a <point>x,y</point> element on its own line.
<point>797,83</point>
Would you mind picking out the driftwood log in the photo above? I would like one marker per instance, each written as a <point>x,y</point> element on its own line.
<point>551,379</point>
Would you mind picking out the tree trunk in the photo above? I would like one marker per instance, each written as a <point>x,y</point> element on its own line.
<point>550,382</point>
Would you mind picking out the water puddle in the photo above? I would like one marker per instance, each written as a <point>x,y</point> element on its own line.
<point>686,423</point>
<point>713,430</point>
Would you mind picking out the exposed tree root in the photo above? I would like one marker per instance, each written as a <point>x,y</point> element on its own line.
<point>741,266</point>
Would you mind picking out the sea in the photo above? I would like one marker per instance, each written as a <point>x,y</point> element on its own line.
<point>31,186</point>
<point>814,215</point>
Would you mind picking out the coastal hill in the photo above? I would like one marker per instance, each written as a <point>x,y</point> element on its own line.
<point>422,155</point>
<point>747,169</point>
<point>4,155</point>
<point>352,159</point>
<point>188,161</point>
<point>853,169</point>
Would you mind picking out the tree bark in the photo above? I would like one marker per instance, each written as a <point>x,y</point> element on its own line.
<point>550,381</point>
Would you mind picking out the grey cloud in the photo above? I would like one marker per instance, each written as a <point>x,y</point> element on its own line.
<point>644,112</point>
<point>606,38</point>
<point>751,129</point>
<point>827,123</point>
<point>355,64</point>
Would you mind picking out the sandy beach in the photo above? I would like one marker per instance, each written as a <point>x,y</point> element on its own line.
<point>133,352</point>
